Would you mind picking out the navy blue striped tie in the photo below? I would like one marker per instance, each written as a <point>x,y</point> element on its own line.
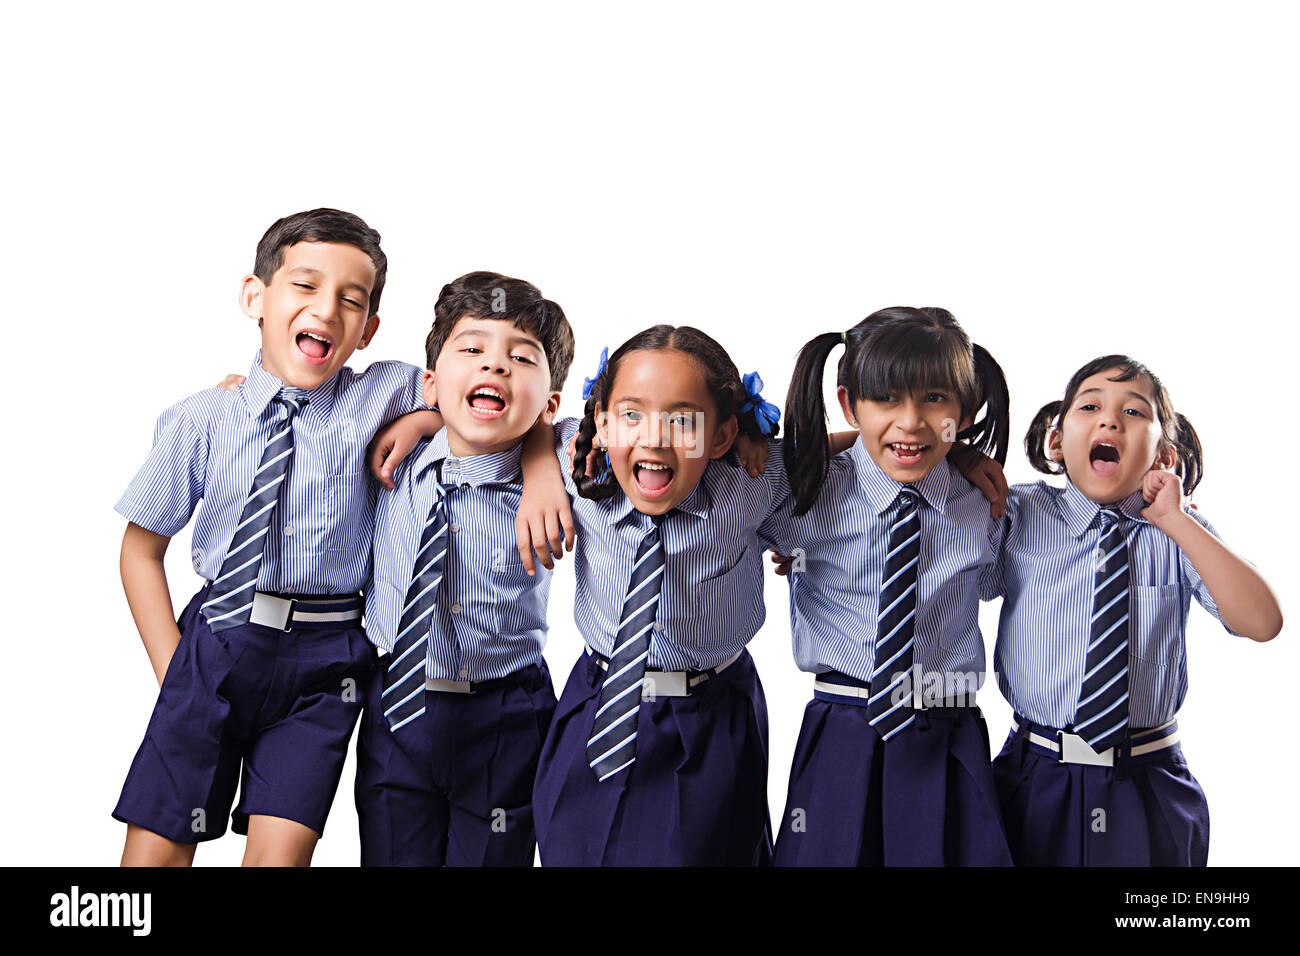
<point>889,709</point>
<point>230,601</point>
<point>1102,715</point>
<point>612,745</point>
<point>403,695</point>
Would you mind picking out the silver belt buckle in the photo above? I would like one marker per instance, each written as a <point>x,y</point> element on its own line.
<point>1074,749</point>
<point>445,686</point>
<point>664,684</point>
<point>271,611</point>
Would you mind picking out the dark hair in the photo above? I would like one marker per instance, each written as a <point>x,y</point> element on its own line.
<point>490,295</point>
<point>1175,430</point>
<point>720,378</point>
<point>896,350</point>
<point>321,225</point>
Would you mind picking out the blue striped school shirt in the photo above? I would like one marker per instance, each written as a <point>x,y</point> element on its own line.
<point>841,545</point>
<point>490,619</point>
<point>1045,575</point>
<point>207,448</point>
<point>711,600</point>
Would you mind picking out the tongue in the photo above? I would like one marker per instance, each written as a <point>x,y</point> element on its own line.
<point>313,347</point>
<point>654,479</point>
<point>1105,468</point>
<point>487,403</point>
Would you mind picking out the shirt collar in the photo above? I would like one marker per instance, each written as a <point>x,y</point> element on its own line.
<point>262,386</point>
<point>881,490</point>
<point>494,468</point>
<point>1080,511</point>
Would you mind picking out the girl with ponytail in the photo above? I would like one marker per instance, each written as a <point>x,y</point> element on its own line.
<point>657,754</point>
<point>1096,579</point>
<point>888,543</point>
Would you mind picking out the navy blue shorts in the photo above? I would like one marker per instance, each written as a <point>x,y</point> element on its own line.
<point>454,787</point>
<point>279,706</point>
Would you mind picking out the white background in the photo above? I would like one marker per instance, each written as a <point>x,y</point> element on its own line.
<point>1068,180</point>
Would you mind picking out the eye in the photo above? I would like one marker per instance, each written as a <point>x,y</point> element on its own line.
<point>305,285</point>
<point>630,416</point>
<point>527,360</point>
<point>682,421</point>
<point>352,302</point>
<point>472,349</point>
<point>1136,412</point>
<point>936,397</point>
<point>1087,407</point>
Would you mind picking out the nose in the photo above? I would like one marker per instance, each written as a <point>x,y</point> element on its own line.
<point>1107,421</point>
<point>325,304</point>
<point>654,431</point>
<point>494,363</point>
<point>909,415</point>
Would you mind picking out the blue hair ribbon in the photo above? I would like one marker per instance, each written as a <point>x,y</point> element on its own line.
<point>765,413</point>
<point>589,383</point>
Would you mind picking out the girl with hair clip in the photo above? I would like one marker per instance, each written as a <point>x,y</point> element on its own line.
<point>657,754</point>
<point>1096,579</point>
<point>888,544</point>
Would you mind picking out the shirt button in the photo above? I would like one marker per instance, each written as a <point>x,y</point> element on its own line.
<point>659,627</point>
<point>455,609</point>
<point>464,672</point>
<point>288,530</point>
<point>455,526</point>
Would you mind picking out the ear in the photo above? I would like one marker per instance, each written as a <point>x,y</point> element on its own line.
<point>250,296</point>
<point>552,406</point>
<point>723,437</point>
<point>372,326</point>
<point>602,426</point>
<point>1054,445</point>
<point>429,390</point>
<point>1166,458</point>
<point>842,394</point>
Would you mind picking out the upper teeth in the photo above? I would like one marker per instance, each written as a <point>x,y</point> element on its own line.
<point>908,447</point>
<point>652,465</point>
<point>490,392</point>
<point>318,338</point>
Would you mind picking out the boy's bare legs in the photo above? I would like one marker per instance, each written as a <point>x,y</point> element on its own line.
<point>146,848</point>
<point>275,841</point>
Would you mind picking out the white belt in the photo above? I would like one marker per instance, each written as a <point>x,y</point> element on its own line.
<point>271,610</point>
<point>1074,749</point>
<point>657,683</point>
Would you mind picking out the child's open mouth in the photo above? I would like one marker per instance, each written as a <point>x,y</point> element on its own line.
<point>906,453</point>
<point>486,403</point>
<point>652,478</point>
<point>316,347</point>
<point>1104,459</point>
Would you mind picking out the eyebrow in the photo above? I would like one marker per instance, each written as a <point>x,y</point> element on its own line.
<point>633,400</point>
<point>315,273</point>
<point>1138,395</point>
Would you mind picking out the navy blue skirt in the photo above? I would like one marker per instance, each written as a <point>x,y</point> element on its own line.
<point>1144,812</point>
<point>925,798</point>
<point>696,795</point>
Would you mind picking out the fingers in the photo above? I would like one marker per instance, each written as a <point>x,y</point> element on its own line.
<point>524,543</point>
<point>554,537</point>
<point>566,522</point>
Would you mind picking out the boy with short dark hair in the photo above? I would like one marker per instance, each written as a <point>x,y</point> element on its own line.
<point>263,668</point>
<point>459,706</point>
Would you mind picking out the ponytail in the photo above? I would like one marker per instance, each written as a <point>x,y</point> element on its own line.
<point>807,455</point>
<point>1040,428</point>
<point>990,434</point>
<point>1190,466</point>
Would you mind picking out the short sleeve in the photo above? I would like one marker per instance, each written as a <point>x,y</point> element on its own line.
<point>168,487</point>
<point>1191,578</point>
<point>774,530</point>
<point>566,429</point>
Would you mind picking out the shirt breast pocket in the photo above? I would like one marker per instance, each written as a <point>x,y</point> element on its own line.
<point>1155,624</point>
<point>730,604</point>
<point>516,607</point>
<point>347,507</point>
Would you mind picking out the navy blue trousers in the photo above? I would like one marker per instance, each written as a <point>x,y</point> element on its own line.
<point>696,795</point>
<point>925,798</point>
<point>454,787</point>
